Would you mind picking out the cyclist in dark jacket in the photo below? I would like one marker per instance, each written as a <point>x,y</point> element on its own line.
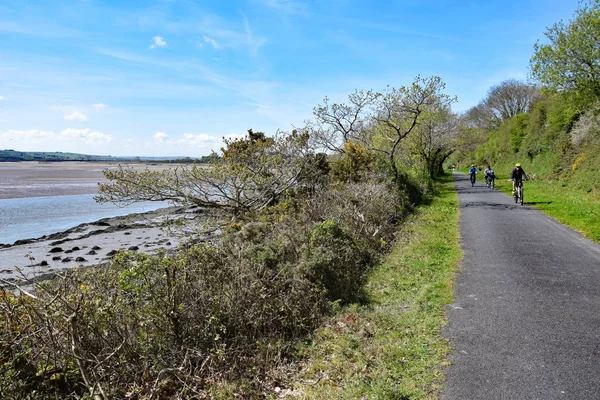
<point>517,174</point>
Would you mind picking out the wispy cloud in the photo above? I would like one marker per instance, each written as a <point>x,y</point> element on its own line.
<point>284,6</point>
<point>253,43</point>
<point>75,116</point>
<point>1,98</point>
<point>213,42</point>
<point>158,42</point>
<point>99,106</point>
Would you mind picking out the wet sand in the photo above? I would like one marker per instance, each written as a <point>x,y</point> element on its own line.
<point>90,243</point>
<point>37,179</point>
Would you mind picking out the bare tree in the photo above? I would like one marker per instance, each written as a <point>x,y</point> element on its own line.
<point>399,111</point>
<point>252,174</point>
<point>480,117</point>
<point>337,123</point>
<point>436,138</point>
<point>510,98</point>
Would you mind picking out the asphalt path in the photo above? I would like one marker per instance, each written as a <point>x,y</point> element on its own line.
<point>525,323</point>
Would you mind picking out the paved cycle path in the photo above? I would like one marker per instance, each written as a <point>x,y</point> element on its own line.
<point>525,323</point>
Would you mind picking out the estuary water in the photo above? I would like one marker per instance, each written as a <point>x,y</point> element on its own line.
<point>33,217</point>
<point>41,198</point>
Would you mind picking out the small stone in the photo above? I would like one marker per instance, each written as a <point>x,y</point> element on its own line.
<point>67,259</point>
<point>111,253</point>
<point>96,248</point>
<point>127,233</point>
<point>75,248</point>
<point>133,248</point>
<point>80,259</point>
<point>44,263</point>
<point>56,250</point>
<point>91,252</point>
<point>56,258</point>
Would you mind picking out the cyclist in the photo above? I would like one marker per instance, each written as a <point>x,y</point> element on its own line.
<point>517,174</point>
<point>472,173</point>
<point>489,175</point>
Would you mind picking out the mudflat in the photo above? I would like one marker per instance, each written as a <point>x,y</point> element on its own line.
<point>90,243</point>
<point>36,179</point>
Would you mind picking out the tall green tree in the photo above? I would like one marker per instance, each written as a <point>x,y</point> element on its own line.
<point>572,58</point>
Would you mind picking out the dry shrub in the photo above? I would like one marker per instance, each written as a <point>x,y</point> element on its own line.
<point>212,316</point>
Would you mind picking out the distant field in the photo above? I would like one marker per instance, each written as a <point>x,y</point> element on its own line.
<point>37,179</point>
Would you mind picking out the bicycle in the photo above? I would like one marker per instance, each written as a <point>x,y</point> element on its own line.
<point>472,178</point>
<point>518,195</point>
<point>489,181</point>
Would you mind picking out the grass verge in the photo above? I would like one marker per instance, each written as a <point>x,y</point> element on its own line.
<point>575,208</point>
<point>391,346</point>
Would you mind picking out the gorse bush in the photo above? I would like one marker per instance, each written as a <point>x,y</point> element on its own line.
<point>169,325</point>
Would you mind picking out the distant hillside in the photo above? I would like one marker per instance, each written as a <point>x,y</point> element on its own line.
<point>13,155</point>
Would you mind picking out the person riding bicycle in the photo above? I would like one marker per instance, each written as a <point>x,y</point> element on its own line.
<point>489,175</point>
<point>517,174</point>
<point>472,173</point>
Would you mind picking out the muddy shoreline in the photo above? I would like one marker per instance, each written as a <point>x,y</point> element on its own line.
<point>91,243</point>
<point>95,243</point>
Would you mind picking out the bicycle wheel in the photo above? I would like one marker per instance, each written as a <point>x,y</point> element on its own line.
<point>491,183</point>
<point>521,195</point>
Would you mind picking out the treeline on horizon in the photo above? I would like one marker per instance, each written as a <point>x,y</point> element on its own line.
<point>15,155</point>
<point>302,219</point>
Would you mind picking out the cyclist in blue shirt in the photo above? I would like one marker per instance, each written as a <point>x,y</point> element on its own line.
<point>472,173</point>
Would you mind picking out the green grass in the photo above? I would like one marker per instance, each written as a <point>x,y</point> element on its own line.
<point>575,208</point>
<point>392,347</point>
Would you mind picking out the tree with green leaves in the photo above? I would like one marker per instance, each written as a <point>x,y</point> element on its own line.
<point>398,113</point>
<point>571,61</point>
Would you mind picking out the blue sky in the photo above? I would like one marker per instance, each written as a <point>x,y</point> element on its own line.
<point>172,77</point>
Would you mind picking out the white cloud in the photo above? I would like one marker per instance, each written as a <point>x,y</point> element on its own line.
<point>183,143</point>
<point>1,98</point>
<point>33,134</point>
<point>76,116</point>
<point>160,136</point>
<point>158,42</point>
<point>86,135</point>
<point>35,139</point>
<point>213,42</point>
<point>99,106</point>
